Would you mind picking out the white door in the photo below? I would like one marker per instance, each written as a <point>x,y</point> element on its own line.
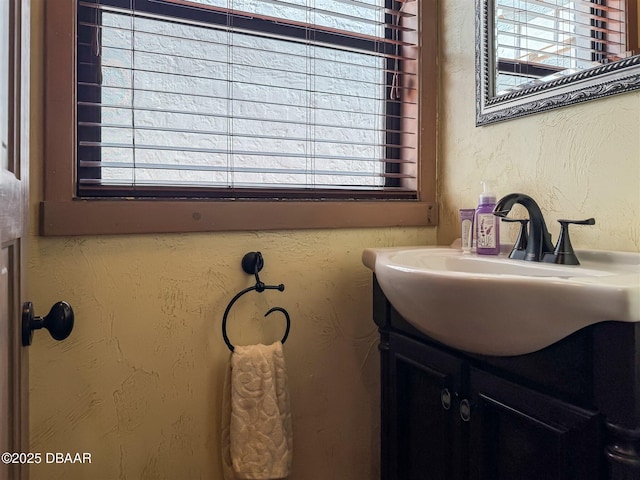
<point>14,196</point>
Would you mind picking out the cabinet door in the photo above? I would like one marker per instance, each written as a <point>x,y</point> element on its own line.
<point>517,433</point>
<point>424,434</point>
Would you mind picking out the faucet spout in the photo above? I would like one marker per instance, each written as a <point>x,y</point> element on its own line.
<point>539,239</point>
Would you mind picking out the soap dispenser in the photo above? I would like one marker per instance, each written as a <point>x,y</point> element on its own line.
<point>487,224</point>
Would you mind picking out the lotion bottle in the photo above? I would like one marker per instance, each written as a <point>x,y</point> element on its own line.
<point>487,224</point>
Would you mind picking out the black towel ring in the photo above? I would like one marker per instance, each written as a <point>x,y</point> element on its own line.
<point>252,263</point>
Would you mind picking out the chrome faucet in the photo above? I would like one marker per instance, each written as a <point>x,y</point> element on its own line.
<point>539,238</point>
<point>538,242</point>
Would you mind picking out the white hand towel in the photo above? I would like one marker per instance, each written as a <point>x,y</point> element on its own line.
<point>256,425</point>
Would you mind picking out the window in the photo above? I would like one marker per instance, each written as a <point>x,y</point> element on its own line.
<point>216,115</point>
<point>547,38</point>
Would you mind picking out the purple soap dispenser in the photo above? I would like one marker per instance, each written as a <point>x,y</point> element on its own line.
<point>487,224</point>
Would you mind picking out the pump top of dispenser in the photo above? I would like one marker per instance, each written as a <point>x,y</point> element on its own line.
<point>487,196</point>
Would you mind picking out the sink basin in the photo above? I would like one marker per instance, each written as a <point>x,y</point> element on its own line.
<point>494,305</point>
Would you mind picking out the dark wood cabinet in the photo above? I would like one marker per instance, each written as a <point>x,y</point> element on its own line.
<point>518,433</point>
<point>423,430</point>
<point>557,414</point>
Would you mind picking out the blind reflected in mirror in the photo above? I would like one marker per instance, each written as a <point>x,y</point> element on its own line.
<point>540,41</point>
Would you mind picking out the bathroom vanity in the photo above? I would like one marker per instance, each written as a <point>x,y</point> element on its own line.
<point>570,411</point>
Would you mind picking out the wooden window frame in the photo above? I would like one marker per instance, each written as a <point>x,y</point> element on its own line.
<point>63,213</point>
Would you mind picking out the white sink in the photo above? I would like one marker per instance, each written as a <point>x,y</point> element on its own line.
<point>494,305</point>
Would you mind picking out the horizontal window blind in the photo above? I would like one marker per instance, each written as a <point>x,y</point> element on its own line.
<point>244,99</point>
<point>539,38</point>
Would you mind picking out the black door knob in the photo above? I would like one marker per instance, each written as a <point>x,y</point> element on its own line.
<point>59,321</point>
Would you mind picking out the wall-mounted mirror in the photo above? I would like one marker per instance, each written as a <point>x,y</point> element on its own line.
<point>535,55</point>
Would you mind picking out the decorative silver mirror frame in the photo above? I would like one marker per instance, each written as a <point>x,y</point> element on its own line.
<point>611,79</point>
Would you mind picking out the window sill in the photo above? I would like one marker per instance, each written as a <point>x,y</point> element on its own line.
<point>105,217</point>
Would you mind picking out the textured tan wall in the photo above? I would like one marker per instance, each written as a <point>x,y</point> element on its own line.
<point>138,383</point>
<point>578,162</point>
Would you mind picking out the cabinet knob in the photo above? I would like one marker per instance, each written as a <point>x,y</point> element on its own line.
<point>465,410</point>
<point>445,398</point>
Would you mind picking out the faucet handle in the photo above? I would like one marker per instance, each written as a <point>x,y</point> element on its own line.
<point>563,253</point>
<point>588,221</point>
<point>519,250</point>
